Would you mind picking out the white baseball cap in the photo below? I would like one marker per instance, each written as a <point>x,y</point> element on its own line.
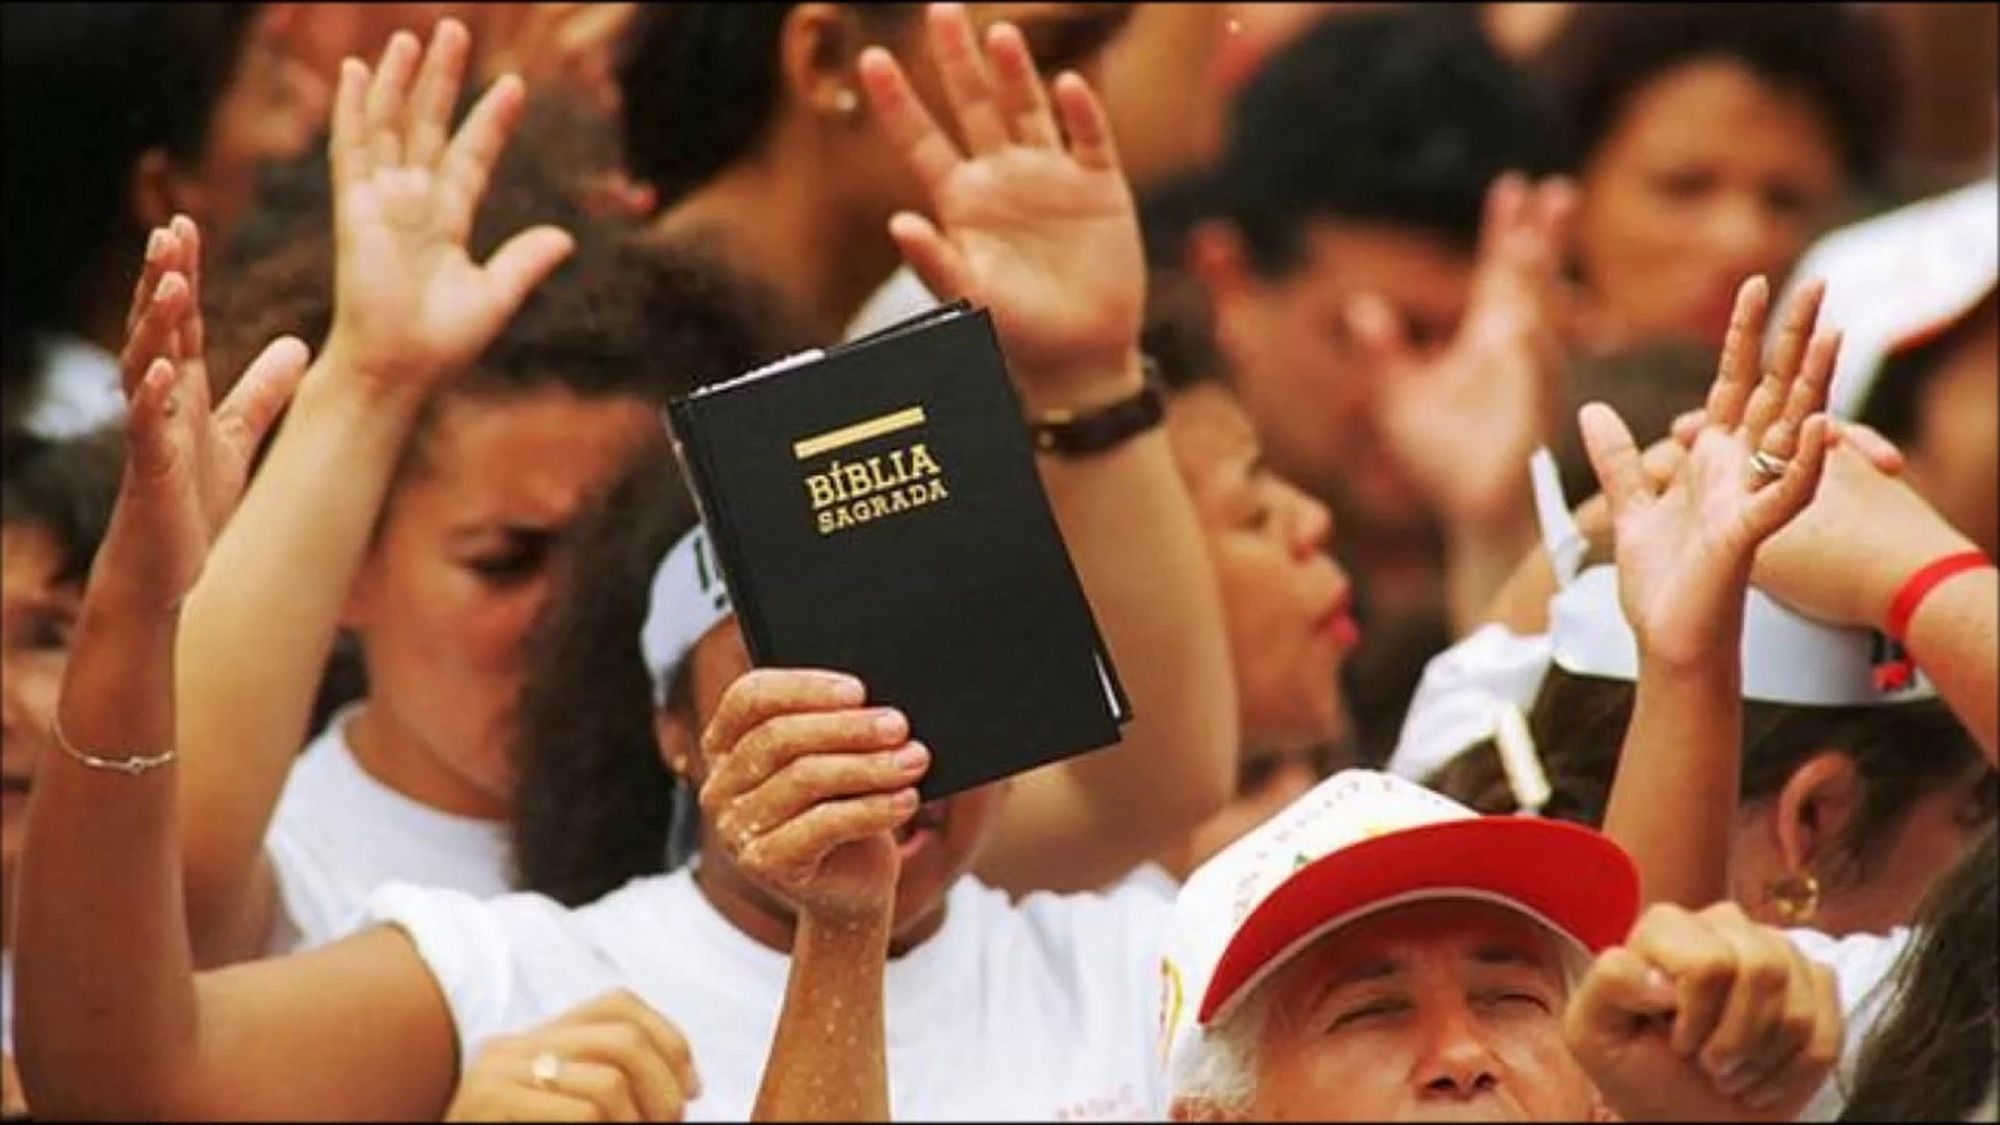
<point>1787,657</point>
<point>688,599</point>
<point>1359,843</point>
<point>1898,278</point>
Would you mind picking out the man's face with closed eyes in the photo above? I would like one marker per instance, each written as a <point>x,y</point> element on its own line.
<point>1447,1010</point>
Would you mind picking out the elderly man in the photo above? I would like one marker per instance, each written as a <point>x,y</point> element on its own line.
<point>1379,952</point>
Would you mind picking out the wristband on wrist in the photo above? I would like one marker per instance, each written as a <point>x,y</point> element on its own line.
<point>1918,586</point>
<point>1073,433</point>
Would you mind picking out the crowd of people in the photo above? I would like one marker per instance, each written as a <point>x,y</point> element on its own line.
<point>1542,502</point>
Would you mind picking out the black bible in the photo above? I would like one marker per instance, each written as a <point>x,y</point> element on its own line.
<point>875,509</point>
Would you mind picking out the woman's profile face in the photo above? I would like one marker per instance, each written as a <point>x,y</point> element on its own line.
<point>461,566</point>
<point>1710,174</point>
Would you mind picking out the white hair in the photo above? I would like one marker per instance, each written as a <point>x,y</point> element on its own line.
<point>1219,1065</point>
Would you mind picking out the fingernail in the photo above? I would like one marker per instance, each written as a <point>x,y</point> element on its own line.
<point>844,687</point>
<point>911,757</point>
<point>889,724</point>
<point>156,243</point>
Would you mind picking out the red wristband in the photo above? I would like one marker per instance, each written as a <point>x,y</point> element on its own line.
<point>1918,586</point>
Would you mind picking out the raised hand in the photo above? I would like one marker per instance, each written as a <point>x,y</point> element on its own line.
<point>805,787</point>
<point>1705,1017</point>
<point>411,307</point>
<point>1041,231</point>
<point>1498,378</point>
<point>186,464</point>
<point>1684,551</point>
<point>609,1059</point>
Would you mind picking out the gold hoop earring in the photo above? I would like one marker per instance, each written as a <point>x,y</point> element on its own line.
<point>1795,897</point>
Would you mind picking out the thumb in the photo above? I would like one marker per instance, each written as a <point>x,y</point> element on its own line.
<point>1620,994</point>
<point>1614,457</point>
<point>523,262</point>
<point>932,257</point>
<point>266,386</point>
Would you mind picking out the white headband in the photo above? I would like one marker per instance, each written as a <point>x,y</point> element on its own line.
<point>1787,657</point>
<point>688,599</point>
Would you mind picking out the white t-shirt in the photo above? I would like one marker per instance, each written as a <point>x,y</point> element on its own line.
<point>900,298</point>
<point>81,389</point>
<point>1862,966</point>
<point>338,834</point>
<point>1044,1010</point>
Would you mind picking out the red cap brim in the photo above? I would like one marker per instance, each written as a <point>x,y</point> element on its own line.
<point>1575,878</point>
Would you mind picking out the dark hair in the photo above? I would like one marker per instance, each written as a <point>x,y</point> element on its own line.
<point>1937,1053</point>
<point>66,488</point>
<point>1902,752</point>
<point>1837,55</point>
<point>1649,386</point>
<point>593,803</point>
<point>89,89</point>
<point>1179,332</point>
<point>1399,116</point>
<point>699,85</point>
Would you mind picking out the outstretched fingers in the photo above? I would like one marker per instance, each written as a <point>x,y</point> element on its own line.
<point>1788,351</point>
<point>384,108</point>
<point>1084,121</point>
<point>469,158</point>
<point>932,257</point>
<point>1736,373</point>
<point>525,261</point>
<point>1614,457</point>
<point>438,83</point>
<point>967,86</point>
<point>904,120</point>
<point>156,333</point>
<point>1019,88</point>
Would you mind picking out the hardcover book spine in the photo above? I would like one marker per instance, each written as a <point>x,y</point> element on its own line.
<point>710,504</point>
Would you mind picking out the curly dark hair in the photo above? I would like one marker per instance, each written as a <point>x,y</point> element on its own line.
<point>1937,1053</point>
<point>1902,752</point>
<point>1837,55</point>
<point>593,804</point>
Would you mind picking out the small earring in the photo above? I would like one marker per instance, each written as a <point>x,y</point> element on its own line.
<point>846,101</point>
<point>1795,897</point>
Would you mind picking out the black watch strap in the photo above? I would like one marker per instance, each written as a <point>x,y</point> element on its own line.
<point>1082,433</point>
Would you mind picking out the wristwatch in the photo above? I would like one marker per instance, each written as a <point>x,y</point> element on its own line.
<point>1072,433</point>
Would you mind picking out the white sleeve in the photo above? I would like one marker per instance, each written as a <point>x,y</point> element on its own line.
<point>504,964</point>
<point>1864,968</point>
<point>1462,691</point>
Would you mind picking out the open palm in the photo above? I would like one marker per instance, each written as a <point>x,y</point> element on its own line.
<point>1499,375</point>
<point>1042,234</point>
<point>1685,549</point>
<point>186,465</point>
<point>411,306</point>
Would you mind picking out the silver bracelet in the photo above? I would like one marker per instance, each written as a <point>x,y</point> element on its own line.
<point>131,766</point>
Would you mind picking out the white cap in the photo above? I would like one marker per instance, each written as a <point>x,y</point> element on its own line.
<point>1787,656</point>
<point>687,600</point>
<point>1899,277</point>
<point>1361,842</point>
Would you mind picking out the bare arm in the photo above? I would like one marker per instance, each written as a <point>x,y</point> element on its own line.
<point>829,1057</point>
<point>113,1020</point>
<point>411,309</point>
<point>1846,558</point>
<point>1684,557</point>
<point>1042,231</point>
